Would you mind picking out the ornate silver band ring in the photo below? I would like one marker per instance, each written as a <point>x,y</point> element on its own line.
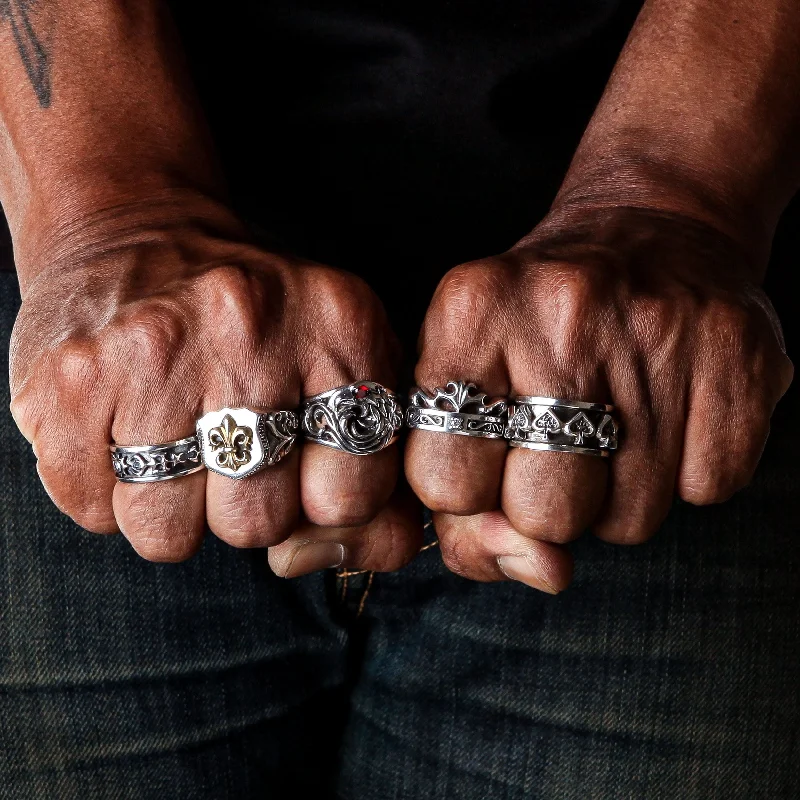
<point>157,462</point>
<point>567,426</point>
<point>361,418</point>
<point>458,408</point>
<point>236,442</point>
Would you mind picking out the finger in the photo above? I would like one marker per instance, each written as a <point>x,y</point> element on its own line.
<point>343,490</point>
<point>165,520</point>
<point>452,473</point>
<point>67,415</point>
<point>385,544</point>
<point>487,547</point>
<point>262,508</point>
<point>258,510</point>
<point>727,427</point>
<point>742,371</point>
<point>553,496</point>
<point>644,468</point>
<point>548,495</point>
<point>462,340</point>
<point>340,489</point>
<point>455,474</point>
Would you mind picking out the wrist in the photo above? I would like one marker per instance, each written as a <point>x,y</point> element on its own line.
<point>672,187</point>
<point>62,235</point>
<point>623,240</point>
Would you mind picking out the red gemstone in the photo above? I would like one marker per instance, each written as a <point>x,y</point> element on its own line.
<point>361,392</point>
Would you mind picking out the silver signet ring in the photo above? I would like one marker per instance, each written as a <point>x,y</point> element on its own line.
<point>236,442</point>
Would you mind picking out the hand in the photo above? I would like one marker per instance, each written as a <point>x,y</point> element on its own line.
<point>137,327</point>
<point>652,312</point>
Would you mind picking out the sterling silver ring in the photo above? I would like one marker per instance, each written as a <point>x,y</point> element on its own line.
<point>360,418</point>
<point>156,462</point>
<point>236,442</point>
<point>458,408</point>
<point>568,426</point>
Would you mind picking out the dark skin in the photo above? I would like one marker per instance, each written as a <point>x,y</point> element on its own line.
<point>639,288</point>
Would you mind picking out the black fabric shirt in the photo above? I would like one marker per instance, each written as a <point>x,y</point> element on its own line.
<point>396,139</point>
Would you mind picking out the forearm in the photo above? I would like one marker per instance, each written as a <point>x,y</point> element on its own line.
<point>95,112</point>
<point>701,116</point>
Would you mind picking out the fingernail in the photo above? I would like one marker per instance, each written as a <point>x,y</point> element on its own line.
<point>314,556</point>
<point>520,568</point>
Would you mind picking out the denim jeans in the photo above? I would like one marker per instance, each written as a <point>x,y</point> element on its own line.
<point>668,670</point>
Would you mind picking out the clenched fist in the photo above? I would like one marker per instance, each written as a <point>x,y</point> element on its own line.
<point>655,313</point>
<point>138,327</point>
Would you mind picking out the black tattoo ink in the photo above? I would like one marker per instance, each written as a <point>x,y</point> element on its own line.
<point>31,50</point>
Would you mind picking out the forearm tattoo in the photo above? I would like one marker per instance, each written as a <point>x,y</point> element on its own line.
<point>17,14</point>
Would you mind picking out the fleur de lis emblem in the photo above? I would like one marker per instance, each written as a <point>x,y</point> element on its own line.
<point>234,443</point>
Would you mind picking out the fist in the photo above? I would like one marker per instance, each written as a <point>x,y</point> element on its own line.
<point>131,342</point>
<point>655,314</point>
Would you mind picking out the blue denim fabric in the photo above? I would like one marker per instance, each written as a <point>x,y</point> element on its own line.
<point>669,670</point>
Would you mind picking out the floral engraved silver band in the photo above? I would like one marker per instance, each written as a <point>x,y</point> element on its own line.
<point>360,418</point>
<point>157,462</point>
<point>458,408</point>
<point>547,423</point>
<point>236,442</point>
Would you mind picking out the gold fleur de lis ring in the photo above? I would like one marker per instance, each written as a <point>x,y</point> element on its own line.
<point>232,443</point>
<point>236,442</point>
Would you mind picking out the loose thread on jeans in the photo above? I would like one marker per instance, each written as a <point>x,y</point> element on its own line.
<point>344,574</point>
<point>365,595</point>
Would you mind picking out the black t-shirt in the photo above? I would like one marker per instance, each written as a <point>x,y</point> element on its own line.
<point>396,139</point>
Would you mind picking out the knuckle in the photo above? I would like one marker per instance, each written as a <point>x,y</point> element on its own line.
<point>151,334</point>
<point>559,522</point>
<point>26,414</point>
<point>715,480</point>
<point>632,531</point>
<point>245,526</point>
<point>451,496</point>
<point>656,323</point>
<point>75,365</point>
<point>157,531</point>
<point>345,510</point>
<point>81,496</point>
<point>92,517</point>
<point>343,301</point>
<point>727,330</point>
<point>163,549</point>
<point>711,489</point>
<point>225,289</point>
<point>570,292</point>
<point>389,547</point>
<point>236,303</point>
<point>468,292</point>
<point>456,554</point>
<point>247,532</point>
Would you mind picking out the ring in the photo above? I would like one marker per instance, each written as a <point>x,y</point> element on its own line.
<point>236,442</point>
<point>360,418</point>
<point>568,426</point>
<point>458,409</point>
<point>156,462</point>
